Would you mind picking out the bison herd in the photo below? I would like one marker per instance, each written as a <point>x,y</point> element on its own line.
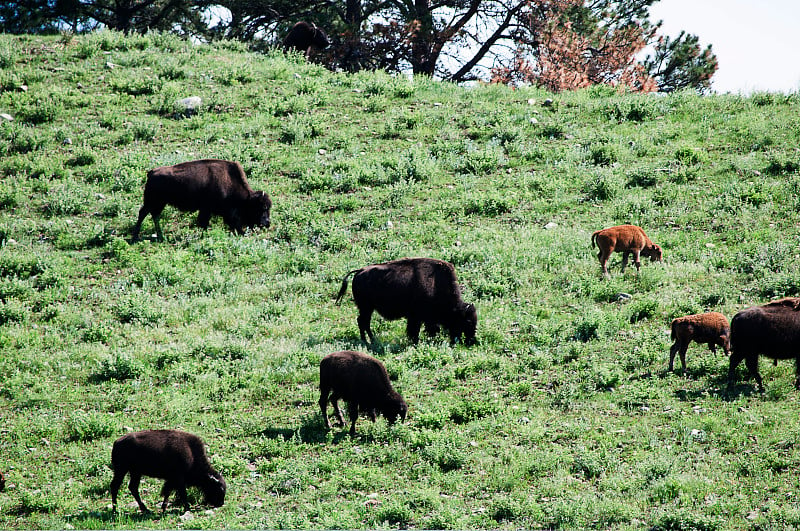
<point>424,291</point>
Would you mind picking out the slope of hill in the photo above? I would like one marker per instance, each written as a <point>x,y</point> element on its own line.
<point>563,416</point>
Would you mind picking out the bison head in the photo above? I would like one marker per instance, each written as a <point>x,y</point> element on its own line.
<point>395,407</point>
<point>214,488</point>
<point>466,323</point>
<point>320,39</point>
<point>653,251</point>
<point>256,210</point>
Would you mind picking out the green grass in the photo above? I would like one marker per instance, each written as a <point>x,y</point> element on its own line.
<point>563,416</point>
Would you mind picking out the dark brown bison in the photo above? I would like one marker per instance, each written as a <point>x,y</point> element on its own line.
<point>711,328</point>
<point>772,330</point>
<point>625,239</point>
<point>176,456</point>
<point>211,186</point>
<point>2,482</point>
<point>423,290</point>
<point>362,382</point>
<point>304,36</point>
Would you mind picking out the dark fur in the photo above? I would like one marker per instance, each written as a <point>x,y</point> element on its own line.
<point>362,382</point>
<point>772,330</point>
<point>423,290</point>
<point>625,239</point>
<point>711,328</point>
<point>2,482</point>
<point>211,186</point>
<point>175,456</point>
<point>304,36</point>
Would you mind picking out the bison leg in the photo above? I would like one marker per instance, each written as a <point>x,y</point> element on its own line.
<point>636,261</point>
<point>180,488</point>
<point>625,260</point>
<point>751,361</point>
<point>735,359</point>
<point>364,320</point>
<point>672,351</point>
<point>603,257</point>
<point>138,227</point>
<point>796,372</point>
<point>412,329</point>
<point>119,475</point>
<point>338,412</point>
<point>133,486</point>
<point>157,223</point>
<point>166,490</point>
<point>352,410</point>
<point>323,405</point>
<point>432,329</point>
<point>203,218</point>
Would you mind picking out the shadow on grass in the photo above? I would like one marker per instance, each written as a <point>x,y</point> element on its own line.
<point>350,342</point>
<point>83,518</point>
<point>717,387</point>
<point>311,431</point>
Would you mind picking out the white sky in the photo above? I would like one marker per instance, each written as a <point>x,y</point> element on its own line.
<point>757,42</point>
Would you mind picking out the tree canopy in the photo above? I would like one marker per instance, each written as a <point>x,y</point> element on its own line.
<point>557,44</point>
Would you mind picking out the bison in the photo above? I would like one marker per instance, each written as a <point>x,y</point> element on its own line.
<point>2,482</point>
<point>423,290</point>
<point>304,36</point>
<point>625,239</point>
<point>362,382</point>
<point>711,328</point>
<point>211,186</point>
<point>176,456</point>
<point>773,330</point>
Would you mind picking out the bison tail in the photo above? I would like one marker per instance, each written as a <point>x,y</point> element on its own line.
<point>594,238</point>
<point>673,336</point>
<point>343,289</point>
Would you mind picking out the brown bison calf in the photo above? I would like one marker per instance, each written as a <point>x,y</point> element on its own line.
<point>625,239</point>
<point>772,330</point>
<point>711,328</point>
<point>362,382</point>
<point>211,186</point>
<point>176,456</point>
<point>423,290</point>
<point>304,36</point>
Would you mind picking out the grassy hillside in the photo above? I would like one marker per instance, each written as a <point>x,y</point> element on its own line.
<point>563,416</point>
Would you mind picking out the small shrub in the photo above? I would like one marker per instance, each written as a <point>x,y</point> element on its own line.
<point>603,155</point>
<point>601,187</point>
<point>642,309</point>
<point>82,158</point>
<point>41,111</point>
<point>86,426</point>
<point>688,156</point>
<point>118,368</point>
<point>445,455</point>
<point>136,309</point>
<point>470,410</point>
<point>641,177</point>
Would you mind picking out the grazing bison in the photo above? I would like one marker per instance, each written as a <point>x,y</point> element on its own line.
<point>304,36</point>
<point>210,186</point>
<point>625,239</point>
<point>711,328</point>
<point>772,330</point>
<point>423,290</point>
<point>362,382</point>
<point>176,456</point>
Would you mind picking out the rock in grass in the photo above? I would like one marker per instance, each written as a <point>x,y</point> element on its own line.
<point>6,117</point>
<point>189,105</point>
